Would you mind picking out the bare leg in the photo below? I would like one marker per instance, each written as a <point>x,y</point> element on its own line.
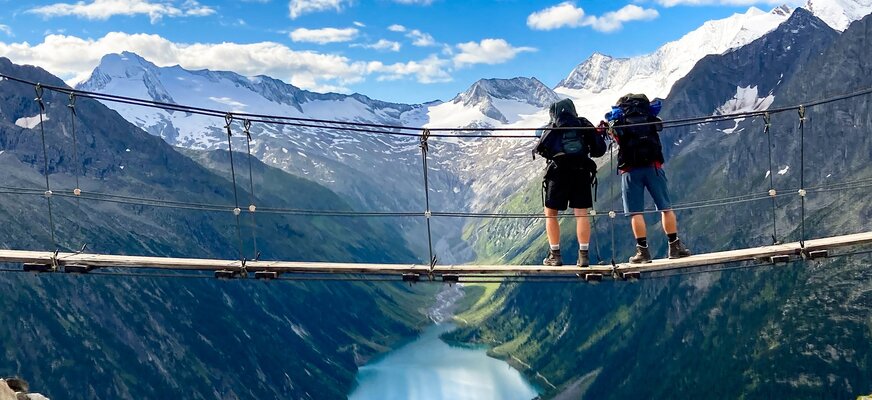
<point>670,223</point>
<point>552,226</point>
<point>582,225</point>
<point>638,224</point>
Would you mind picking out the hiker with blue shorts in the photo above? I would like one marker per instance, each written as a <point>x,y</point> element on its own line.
<point>636,129</point>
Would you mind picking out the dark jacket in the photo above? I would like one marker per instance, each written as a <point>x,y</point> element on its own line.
<point>563,114</point>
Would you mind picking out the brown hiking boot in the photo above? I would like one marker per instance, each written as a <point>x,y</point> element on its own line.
<point>553,259</point>
<point>642,255</point>
<point>677,249</point>
<point>583,259</point>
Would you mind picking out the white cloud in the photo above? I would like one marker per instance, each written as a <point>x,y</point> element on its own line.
<point>382,44</point>
<point>488,51</point>
<point>614,20</point>
<point>105,9</point>
<point>568,15</point>
<point>672,3</point>
<point>418,2</point>
<point>323,35</point>
<point>429,70</point>
<point>6,29</point>
<point>73,59</point>
<point>421,39</point>
<point>300,7</point>
<point>359,24</point>
<point>397,28</point>
<point>563,14</point>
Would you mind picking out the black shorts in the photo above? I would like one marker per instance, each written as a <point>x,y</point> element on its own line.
<point>568,188</point>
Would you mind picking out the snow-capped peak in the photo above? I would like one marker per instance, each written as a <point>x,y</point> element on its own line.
<point>600,80</point>
<point>839,14</point>
<point>493,102</point>
<point>528,90</point>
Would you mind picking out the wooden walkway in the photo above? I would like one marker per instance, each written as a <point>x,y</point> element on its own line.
<point>73,262</point>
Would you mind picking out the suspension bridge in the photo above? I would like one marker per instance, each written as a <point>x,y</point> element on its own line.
<point>106,264</point>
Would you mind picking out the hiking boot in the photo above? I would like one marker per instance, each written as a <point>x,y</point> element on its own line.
<point>553,259</point>
<point>583,259</point>
<point>642,255</point>
<point>677,249</point>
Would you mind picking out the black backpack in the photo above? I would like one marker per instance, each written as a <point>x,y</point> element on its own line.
<point>639,145</point>
<point>564,146</point>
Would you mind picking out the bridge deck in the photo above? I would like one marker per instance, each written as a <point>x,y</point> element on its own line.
<point>290,267</point>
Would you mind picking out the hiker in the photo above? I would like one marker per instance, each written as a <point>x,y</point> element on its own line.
<point>640,162</point>
<point>568,175</point>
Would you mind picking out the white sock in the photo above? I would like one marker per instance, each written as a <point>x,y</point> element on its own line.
<point>583,246</point>
<point>555,247</point>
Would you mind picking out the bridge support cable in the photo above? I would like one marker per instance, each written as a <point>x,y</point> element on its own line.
<point>246,125</point>
<point>425,149</point>
<point>77,191</point>
<point>48,193</point>
<point>767,130</point>
<point>802,191</point>
<point>236,211</point>
<point>612,213</point>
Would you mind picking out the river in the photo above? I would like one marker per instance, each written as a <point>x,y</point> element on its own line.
<point>427,368</point>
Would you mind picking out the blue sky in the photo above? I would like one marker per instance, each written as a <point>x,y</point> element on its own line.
<point>396,50</point>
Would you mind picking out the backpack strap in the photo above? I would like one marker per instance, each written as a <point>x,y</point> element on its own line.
<point>594,183</point>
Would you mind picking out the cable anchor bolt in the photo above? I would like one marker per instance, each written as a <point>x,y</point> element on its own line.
<point>802,112</point>
<point>425,137</point>
<point>77,192</point>
<point>802,192</point>
<point>252,208</point>
<point>428,214</point>
<point>48,194</point>
<point>39,91</point>
<point>72,104</point>
<point>612,214</point>
<point>772,193</point>
<point>237,211</point>
<point>592,213</point>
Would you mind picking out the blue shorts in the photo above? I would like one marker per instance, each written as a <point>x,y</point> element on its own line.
<point>634,183</point>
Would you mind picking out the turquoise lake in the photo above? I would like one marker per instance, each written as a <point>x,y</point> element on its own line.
<point>429,369</point>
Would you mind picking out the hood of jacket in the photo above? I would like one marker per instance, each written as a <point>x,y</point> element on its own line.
<point>565,106</point>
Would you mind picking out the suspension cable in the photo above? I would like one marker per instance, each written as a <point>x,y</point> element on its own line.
<point>767,120</point>
<point>802,191</point>
<point>228,118</point>
<point>425,148</point>
<point>48,193</point>
<point>246,124</point>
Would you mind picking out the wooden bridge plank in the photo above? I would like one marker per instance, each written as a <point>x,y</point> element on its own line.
<point>198,264</point>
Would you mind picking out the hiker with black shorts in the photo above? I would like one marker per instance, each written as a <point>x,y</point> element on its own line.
<point>640,162</point>
<point>568,175</point>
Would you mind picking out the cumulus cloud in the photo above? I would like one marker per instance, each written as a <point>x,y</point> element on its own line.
<point>382,45</point>
<point>421,39</point>
<point>73,58</point>
<point>397,28</point>
<point>614,20</point>
<point>429,70</point>
<point>300,7</point>
<point>488,51</point>
<point>105,9</point>
<point>323,35</point>
<point>568,15</point>
<point>672,3</point>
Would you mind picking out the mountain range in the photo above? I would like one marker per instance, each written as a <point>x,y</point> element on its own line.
<point>111,335</point>
<point>794,331</point>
